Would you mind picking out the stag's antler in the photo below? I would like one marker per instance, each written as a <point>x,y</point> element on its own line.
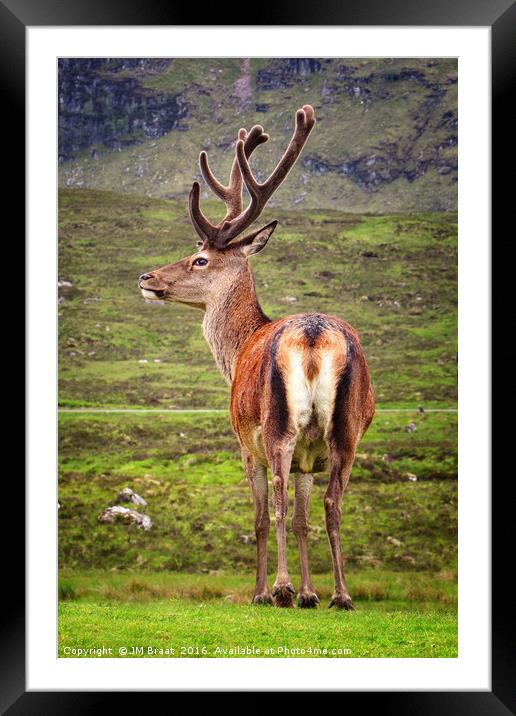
<point>231,194</point>
<point>237,219</point>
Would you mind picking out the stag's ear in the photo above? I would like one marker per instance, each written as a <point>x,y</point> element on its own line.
<point>255,242</point>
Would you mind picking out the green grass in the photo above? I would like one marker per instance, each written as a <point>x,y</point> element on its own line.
<point>397,615</point>
<point>187,583</point>
<point>187,467</point>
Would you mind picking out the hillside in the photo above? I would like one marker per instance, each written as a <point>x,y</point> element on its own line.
<point>386,139</point>
<point>392,277</point>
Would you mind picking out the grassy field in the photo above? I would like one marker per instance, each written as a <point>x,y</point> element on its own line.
<point>187,468</point>
<point>187,583</point>
<point>189,579</point>
<point>392,277</point>
<point>177,615</point>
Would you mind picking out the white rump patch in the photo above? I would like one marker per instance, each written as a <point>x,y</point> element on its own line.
<point>306,397</point>
<point>324,394</point>
<point>300,392</point>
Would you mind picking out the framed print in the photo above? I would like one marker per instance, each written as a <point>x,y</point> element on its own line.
<point>168,476</point>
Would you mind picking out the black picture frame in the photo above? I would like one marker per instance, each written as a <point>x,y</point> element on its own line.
<point>500,16</point>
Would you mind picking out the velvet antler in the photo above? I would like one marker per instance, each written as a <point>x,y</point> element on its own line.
<point>237,219</point>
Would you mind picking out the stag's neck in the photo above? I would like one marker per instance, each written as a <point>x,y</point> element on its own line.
<point>230,320</point>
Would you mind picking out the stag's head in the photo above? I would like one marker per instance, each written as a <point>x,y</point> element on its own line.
<point>223,250</point>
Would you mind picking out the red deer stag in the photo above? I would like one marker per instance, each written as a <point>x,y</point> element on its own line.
<point>301,396</point>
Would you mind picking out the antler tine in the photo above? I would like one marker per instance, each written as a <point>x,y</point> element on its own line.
<point>215,185</point>
<point>204,228</point>
<point>232,194</point>
<point>261,193</point>
<point>305,121</point>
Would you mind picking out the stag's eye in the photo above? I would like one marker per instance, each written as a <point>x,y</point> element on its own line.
<point>200,261</point>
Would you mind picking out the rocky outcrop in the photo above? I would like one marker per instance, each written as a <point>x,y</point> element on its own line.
<point>117,514</point>
<point>125,516</point>
<point>283,73</point>
<point>100,105</point>
<point>371,171</point>
<point>128,495</point>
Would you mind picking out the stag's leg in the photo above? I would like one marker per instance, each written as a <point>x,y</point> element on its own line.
<point>340,470</point>
<point>303,485</point>
<point>257,477</point>
<point>280,461</point>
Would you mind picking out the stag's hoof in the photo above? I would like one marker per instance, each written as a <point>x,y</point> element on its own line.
<point>341,601</point>
<point>307,600</point>
<point>283,595</point>
<point>265,599</point>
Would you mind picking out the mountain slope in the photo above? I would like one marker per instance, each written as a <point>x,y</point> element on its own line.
<point>386,138</point>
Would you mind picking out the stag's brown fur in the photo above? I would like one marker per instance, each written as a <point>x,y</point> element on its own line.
<point>301,396</point>
<point>265,407</point>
